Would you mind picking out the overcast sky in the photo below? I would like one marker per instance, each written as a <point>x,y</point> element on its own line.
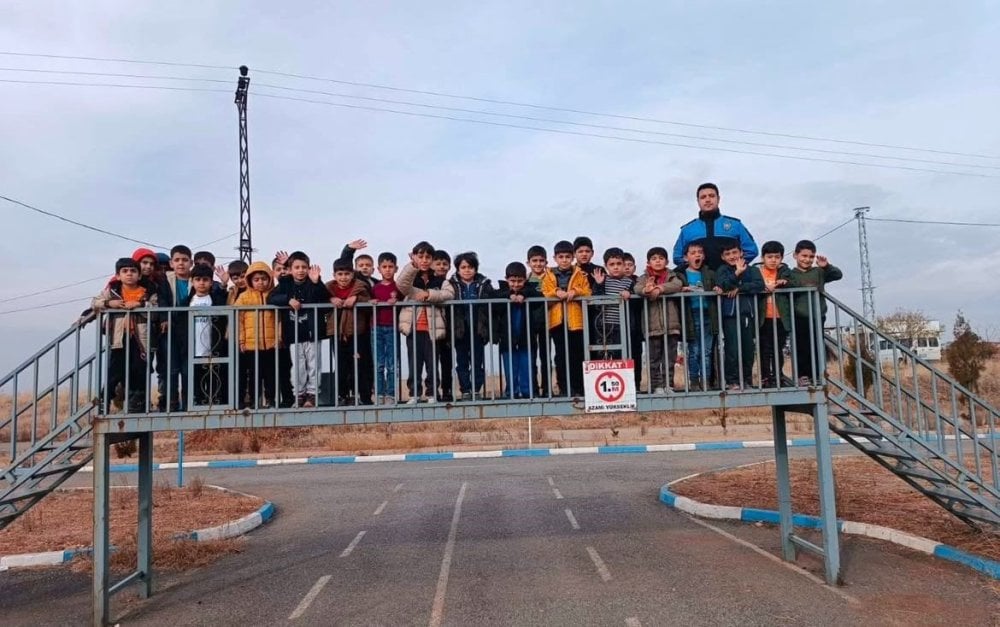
<point>161,165</point>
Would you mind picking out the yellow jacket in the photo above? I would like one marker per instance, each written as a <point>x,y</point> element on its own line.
<point>574,310</point>
<point>258,329</point>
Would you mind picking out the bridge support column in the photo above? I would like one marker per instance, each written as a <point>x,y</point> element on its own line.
<point>102,544</point>
<point>144,544</point>
<point>784,483</point>
<point>827,498</point>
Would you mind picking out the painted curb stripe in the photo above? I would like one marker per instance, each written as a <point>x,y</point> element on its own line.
<point>748,514</point>
<point>433,457</point>
<point>230,529</point>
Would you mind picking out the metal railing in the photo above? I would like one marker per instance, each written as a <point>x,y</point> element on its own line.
<point>960,425</point>
<point>265,357</point>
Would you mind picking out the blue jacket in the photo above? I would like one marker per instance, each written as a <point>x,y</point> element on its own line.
<point>713,230</point>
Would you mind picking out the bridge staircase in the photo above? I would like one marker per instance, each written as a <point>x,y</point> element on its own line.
<point>913,419</point>
<point>48,429</point>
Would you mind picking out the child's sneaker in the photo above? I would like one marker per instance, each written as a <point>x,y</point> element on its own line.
<point>734,387</point>
<point>660,390</point>
<point>412,400</point>
<point>805,382</point>
<point>309,401</point>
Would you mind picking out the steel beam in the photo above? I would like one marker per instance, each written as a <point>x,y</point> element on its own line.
<point>144,545</point>
<point>102,544</point>
<point>784,483</point>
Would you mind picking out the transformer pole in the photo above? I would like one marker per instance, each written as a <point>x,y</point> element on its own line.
<point>246,244</point>
<point>867,289</point>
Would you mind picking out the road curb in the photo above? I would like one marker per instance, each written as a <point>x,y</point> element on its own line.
<point>448,456</point>
<point>934,548</point>
<point>231,529</point>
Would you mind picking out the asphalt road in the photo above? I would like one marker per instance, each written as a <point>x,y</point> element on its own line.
<point>576,540</point>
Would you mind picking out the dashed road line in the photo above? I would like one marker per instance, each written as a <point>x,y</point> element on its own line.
<point>551,482</point>
<point>310,597</point>
<point>557,493</point>
<point>399,486</point>
<point>572,519</point>
<point>632,621</point>
<point>437,610</point>
<point>602,568</point>
<point>354,543</point>
<point>777,560</point>
<point>381,508</point>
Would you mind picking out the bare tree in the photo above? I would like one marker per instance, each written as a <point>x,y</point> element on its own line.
<point>902,324</point>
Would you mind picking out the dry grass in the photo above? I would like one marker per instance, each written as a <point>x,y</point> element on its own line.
<point>866,492</point>
<point>57,523</point>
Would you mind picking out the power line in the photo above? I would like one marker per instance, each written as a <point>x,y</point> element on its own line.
<point>77,84</point>
<point>46,306</point>
<point>54,289</point>
<point>833,230</point>
<point>941,222</point>
<point>442,94</point>
<point>622,129</point>
<point>81,224</point>
<point>526,127</point>
<point>510,116</point>
<point>624,139</point>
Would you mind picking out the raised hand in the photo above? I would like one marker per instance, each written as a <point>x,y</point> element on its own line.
<point>741,266</point>
<point>822,261</point>
<point>281,257</point>
<point>357,244</point>
<point>220,271</point>
<point>314,273</point>
<point>598,275</point>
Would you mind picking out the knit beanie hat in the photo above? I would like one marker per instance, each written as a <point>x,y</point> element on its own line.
<point>142,253</point>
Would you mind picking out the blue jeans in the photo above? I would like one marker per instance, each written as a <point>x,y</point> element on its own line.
<point>465,355</point>
<point>699,351</point>
<point>516,372</point>
<point>385,359</point>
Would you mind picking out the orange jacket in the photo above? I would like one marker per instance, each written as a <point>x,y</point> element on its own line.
<point>574,310</point>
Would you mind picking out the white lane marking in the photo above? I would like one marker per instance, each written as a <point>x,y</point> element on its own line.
<point>632,621</point>
<point>777,560</point>
<point>572,519</point>
<point>557,493</point>
<point>354,543</point>
<point>602,568</point>
<point>437,610</point>
<point>399,486</point>
<point>310,597</point>
<point>380,508</point>
<point>551,482</point>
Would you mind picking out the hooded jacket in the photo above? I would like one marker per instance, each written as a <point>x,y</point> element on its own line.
<point>345,322</point>
<point>579,283</point>
<point>258,329</point>
<point>750,282</point>
<point>410,282</point>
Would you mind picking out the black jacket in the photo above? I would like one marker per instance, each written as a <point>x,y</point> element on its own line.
<point>309,322</point>
<point>533,317</point>
<point>461,310</point>
<point>220,347</point>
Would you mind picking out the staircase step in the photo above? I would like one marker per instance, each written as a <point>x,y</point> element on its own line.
<point>23,496</point>
<point>952,495</point>
<point>862,432</point>
<point>55,469</point>
<point>916,473</point>
<point>894,453</point>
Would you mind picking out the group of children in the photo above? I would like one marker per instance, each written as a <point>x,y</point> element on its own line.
<point>733,310</point>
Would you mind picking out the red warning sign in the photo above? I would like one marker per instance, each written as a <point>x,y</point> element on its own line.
<point>610,385</point>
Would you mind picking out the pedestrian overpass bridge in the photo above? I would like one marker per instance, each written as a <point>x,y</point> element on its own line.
<point>905,414</point>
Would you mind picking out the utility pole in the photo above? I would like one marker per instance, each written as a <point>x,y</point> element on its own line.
<point>246,245</point>
<point>867,289</point>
